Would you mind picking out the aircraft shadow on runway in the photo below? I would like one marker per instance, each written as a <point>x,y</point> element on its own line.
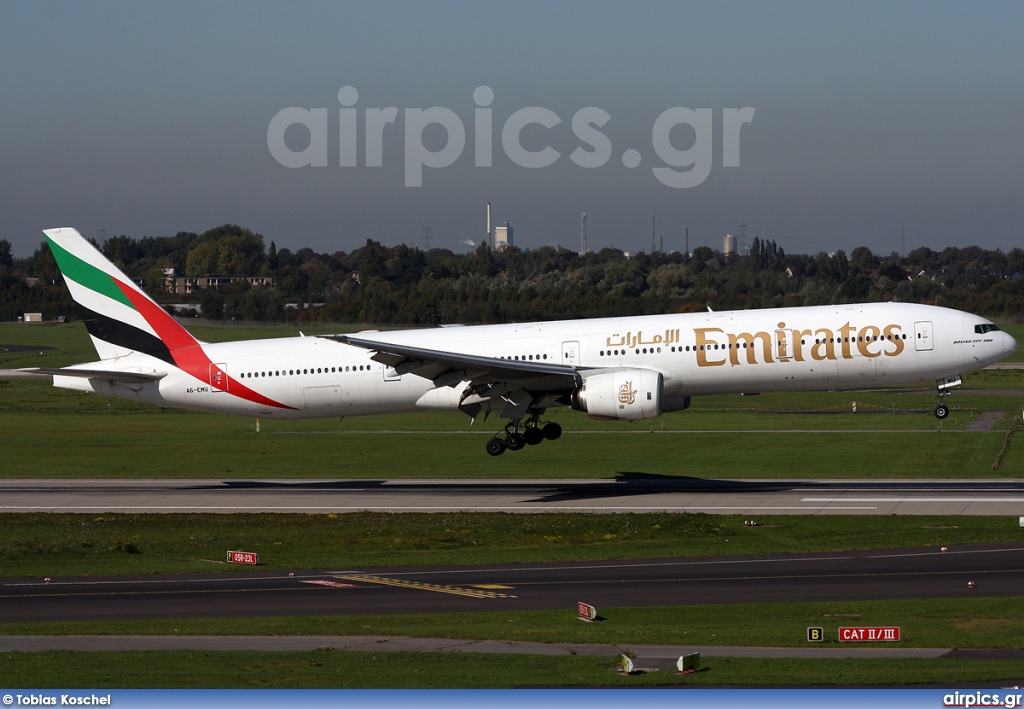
<point>625,484</point>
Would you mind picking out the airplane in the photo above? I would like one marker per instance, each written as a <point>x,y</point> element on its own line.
<point>623,368</point>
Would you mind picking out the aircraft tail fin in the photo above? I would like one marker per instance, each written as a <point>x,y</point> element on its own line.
<point>120,317</point>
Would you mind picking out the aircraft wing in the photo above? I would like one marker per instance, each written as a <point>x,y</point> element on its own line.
<point>512,386</point>
<point>104,374</point>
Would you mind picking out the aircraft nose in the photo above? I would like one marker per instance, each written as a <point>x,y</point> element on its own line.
<point>1010,345</point>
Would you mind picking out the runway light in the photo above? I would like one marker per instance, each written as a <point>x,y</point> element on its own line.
<point>944,549</point>
<point>970,584</point>
<point>291,573</point>
<point>46,580</point>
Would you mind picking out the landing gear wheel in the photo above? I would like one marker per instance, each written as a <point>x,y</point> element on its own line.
<point>551,431</point>
<point>514,441</point>
<point>941,411</point>
<point>533,436</point>
<point>495,446</point>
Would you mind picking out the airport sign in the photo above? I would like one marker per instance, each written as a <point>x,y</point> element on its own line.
<point>869,635</point>
<point>243,557</point>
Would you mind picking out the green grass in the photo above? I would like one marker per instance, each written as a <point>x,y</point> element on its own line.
<point>324,669</point>
<point>75,545</point>
<point>976,622</point>
<point>965,623</point>
<point>187,445</point>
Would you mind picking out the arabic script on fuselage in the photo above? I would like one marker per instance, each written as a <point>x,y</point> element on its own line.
<point>714,346</point>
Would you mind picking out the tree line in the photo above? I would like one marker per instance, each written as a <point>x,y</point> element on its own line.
<point>405,285</point>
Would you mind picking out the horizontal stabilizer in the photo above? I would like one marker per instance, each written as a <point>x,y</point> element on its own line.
<point>102,374</point>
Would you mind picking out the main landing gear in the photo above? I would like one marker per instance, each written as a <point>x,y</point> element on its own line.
<point>532,435</point>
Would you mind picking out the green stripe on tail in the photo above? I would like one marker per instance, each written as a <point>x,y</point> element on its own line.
<point>87,275</point>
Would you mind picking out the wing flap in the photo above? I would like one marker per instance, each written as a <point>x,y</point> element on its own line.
<point>432,364</point>
<point>511,386</point>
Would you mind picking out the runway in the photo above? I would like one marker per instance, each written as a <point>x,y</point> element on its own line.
<point>995,569</point>
<point>626,493</point>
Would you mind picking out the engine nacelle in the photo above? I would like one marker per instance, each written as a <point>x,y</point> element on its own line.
<point>621,394</point>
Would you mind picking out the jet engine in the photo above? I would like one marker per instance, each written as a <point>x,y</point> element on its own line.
<point>620,394</point>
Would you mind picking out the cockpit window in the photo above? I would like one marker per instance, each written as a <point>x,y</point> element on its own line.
<point>986,327</point>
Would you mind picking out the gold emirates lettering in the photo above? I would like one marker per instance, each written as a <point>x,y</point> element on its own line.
<point>715,347</point>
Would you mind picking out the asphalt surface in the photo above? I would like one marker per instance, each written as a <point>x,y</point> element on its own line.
<point>626,493</point>
<point>995,570</point>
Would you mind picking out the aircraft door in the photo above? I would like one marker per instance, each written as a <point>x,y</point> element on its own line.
<point>782,346</point>
<point>571,353</point>
<point>390,375</point>
<point>923,336</point>
<point>218,377</point>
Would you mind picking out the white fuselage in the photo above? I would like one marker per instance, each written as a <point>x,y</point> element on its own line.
<point>786,349</point>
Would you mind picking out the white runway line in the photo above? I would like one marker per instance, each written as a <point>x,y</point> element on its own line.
<point>912,499</point>
<point>386,508</point>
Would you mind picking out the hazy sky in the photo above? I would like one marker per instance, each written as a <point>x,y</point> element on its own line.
<point>151,118</point>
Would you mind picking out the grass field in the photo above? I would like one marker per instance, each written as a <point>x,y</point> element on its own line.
<point>50,433</point>
<point>963,623</point>
<point>73,544</point>
<point>208,446</point>
<point>328,669</point>
<point>939,623</point>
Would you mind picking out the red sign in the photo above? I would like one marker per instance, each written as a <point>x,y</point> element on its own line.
<point>243,557</point>
<point>586,612</point>
<point>869,635</point>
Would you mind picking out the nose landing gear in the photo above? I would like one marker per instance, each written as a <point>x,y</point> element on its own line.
<point>943,386</point>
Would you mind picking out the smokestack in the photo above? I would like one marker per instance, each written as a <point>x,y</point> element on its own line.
<point>489,242</point>
<point>583,233</point>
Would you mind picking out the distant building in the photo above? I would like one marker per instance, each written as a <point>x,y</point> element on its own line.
<point>187,285</point>
<point>503,237</point>
<point>731,244</point>
<point>33,317</point>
